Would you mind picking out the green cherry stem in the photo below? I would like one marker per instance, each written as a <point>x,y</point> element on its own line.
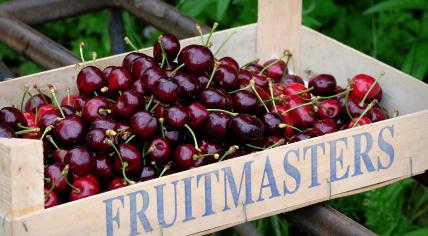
<point>26,92</point>
<point>161,121</point>
<point>53,94</point>
<point>285,54</point>
<point>283,125</point>
<point>335,95</point>
<point>164,57</point>
<point>94,58</point>
<point>46,131</point>
<point>346,104</point>
<point>143,153</point>
<point>224,43</point>
<point>216,65</point>
<point>253,87</point>
<point>81,46</point>
<point>129,42</point>
<point>232,149</point>
<point>299,106</point>
<point>221,110</point>
<point>51,140</point>
<point>165,169</point>
<point>26,131</point>
<point>215,25</point>
<point>40,91</point>
<point>371,87</point>
<point>130,138</point>
<point>192,133</point>
<point>154,106</point>
<point>196,156</point>
<point>124,164</point>
<point>370,106</point>
<point>65,173</point>
<point>176,69</point>
<point>67,90</point>
<point>198,28</point>
<point>150,102</point>
<point>272,98</point>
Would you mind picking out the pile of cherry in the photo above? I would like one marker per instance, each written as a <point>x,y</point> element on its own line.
<point>178,110</point>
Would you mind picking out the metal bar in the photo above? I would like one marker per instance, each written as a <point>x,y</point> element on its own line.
<point>116,32</point>
<point>5,73</point>
<point>34,45</point>
<point>39,11</point>
<point>321,219</point>
<point>164,17</point>
<point>422,178</point>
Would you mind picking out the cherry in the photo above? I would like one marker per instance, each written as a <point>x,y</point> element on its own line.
<point>130,155</point>
<point>215,125</point>
<point>329,108</point>
<point>54,173</point>
<point>288,121</point>
<point>51,199</point>
<point>175,116</point>
<point>364,120</point>
<point>48,120</point>
<point>158,112</point>
<point>361,84</point>
<point>272,140</point>
<point>138,87</point>
<point>89,80</point>
<point>85,186</point>
<point>376,114</point>
<point>80,102</point>
<point>80,160</point>
<point>173,136</point>
<point>275,69</point>
<point>215,98</point>
<point>325,126</point>
<point>226,77</point>
<point>70,130</point>
<point>230,62</point>
<point>147,173</point>
<point>196,114</point>
<point>288,79</point>
<point>12,117</point>
<point>107,70</point>
<point>68,110</point>
<point>140,65</point>
<point>159,151</point>
<point>95,108</point>
<point>103,167</point>
<point>246,128</point>
<point>254,68</point>
<point>183,156</point>
<point>127,104</point>
<point>150,76</point>
<point>95,140</point>
<point>196,58</point>
<point>299,89</point>
<point>103,123</point>
<point>203,79</point>
<point>261,80</point>
<point>36,101</point>
<point>143,124</point>
<point>47,109</point>
<point>244,77</point>
<point>306,134</point>
<point>170,45</point>
<point>323,85</point>
<point>127,61</point>
<point>303,116</point>
<point>245,101</point>
<point>30,118</point>
<point>354,107</point>
<point>32,135</point>
<point>119,79</point>
<point>117,183</point>
<point>59,155</point>
<point>208,147</point>
<point>189,85</point>
<point>166,90</point>
<point>271,121</point>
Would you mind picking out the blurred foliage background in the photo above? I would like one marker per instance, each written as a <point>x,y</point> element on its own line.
<point>394,31</point>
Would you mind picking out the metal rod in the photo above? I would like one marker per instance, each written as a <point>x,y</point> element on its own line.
<point>5,73</point>
<point>116,32</point>
<point>164,17</point>
<point>34,45</point>
<point>321,219</point>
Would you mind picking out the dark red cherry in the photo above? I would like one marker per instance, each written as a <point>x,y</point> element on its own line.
<point>127,61</point>
<point>138,87</point>
<point>196,58</point>
<point>329,108</point>
<point>306,134</point>
<point>361,84</point>
<point>68,110</point>
<point>32,135</point>
<point>272,120</point>
<point>166,90</point>
<point>95,108</point>
<point>95,140</point>
<point>262,81</point>
<point>354,107</point>
<point>143,124</point>
<point>276,69</point>
<point>288,120</point>
<point>209,147</point>
<point>117,183</point>
<point>59,155</point>
<point>80,102</point>
<point>363,121</point>
<point>147,173</point>
<point>80,160</point>
<point>288,79</point>
<point>295,88</point>
<point>203,79</point>
<point>230,62</point>
<point>189,85</point>
<point>175,116</point>
<point>247,128</point>
<point>107,70</point>
<point>89,80</point>
<point>245,101</point>
<point>159,151</point>
<point>376,114</point>
<point>6,131</point>
<point>48,119</point>
<point>30,118</point>
<point>196,114</point>
<point>37,100</point>
<point>254,68</point>
<point>86,185</point>
<point>103,167</point>
<point>53,172</point>
<point>183,156</point>
<point>119,80</point>
<point>173,136</point>
<point>158,112</point>
<point>127,104</point>
<point>304,116</point>
<point>226,77</point>
<point>325,126</point>
<point>140,65</point>
<point>215,98</point>
<point>323,85</point>
<point>47,109</point>
<point>131,156</point>
<point>70,130</point>
<point>51,199</point>
<point>170,45</point>
<point>150,77</point>
<point>103,123</point>
<point>244,77</point>
<point>12,117</point>
<point>215,125</point>
<point>272,140</point>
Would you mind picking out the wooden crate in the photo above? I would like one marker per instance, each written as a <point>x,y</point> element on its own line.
<point>250,187</point>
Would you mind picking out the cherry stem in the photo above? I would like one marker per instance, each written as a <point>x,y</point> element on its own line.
<point>335,95</point>
<point>51,140</point>
<point>258,95</point>
<point>52,90</point>
<point>346,104</point>
<point>215,25</point>
<point>192,133</point>
<point>299,106</point>
<point>244,88</point>
<point>95,93</point>
<point>155,166</point>
<point>251,62</point>
<point>82,45</point>
<point>154,106</point>
<point>124,164</point>
<point>104,111</point>
<point>273,62</point>
<point>48,180</point>
<point>164,56</point>
<point>371,88</point>
<point>196,157</point>
<point>65,173</point>
<point>284,125</point>
<point>19,125</point>
<point>165,169</point>
<point>198,28</point>
<point>278,143</point>
<point>232,149</point>
<point>272,98</point>
<point>176,69</point>
<point>224,43</point>
<point>216,65</point>
<point>161,121</point>
<point>26,92</point>
<point>94,57</point>
<point>303,91</point>
<point>129,42</point>
<point>370,106</point>
<point>111,100</point>
<point>130,138</point>
<point>26,131</point>
<point>221,110</point>
<point>40,91</point>
<point>396,113</point>
<point>149,103</point>
<point>67,90</point>
<point>143,153</point>
<point>46,131</point>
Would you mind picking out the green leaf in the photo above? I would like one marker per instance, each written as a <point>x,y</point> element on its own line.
<point>222,6</point>
<point>397,5</point>
<point>194,8</point>
<point>418,232</point>
<point>416,62</point>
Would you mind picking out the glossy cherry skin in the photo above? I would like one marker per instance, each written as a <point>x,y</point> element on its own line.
<point>103,123</point>
<point>103,167</point>
<point>247,128</point>
<point>354,107</point>
<point>32,135</point>
<point>53,173</point>
<point>147,173</point>
<point>138,87</point>
<point>295,88</point>
<point>288,120</point>
<point>215,125</point>
<point>306,134</point>
<point>30,118</point>
<point>226,77</point>
<point>323,85</point>
<point>80,160</point>
<point>37,100</point>
<point>303,117</point>
<point>93,108</point>
<point>325,126</point>
<point>150,77</point>
<point>196,115</point>
<point>208,147</point>
<point>329,108</point>
<point>59,155</point>
<point>95,140</point>
<point>130,155</point>
<point>189,85</point>
<point>175,116</point>
<point>173,136</point>
<point>203,79</point>
<point>262,81</point>
<point>166,90</point>
<point>87,185</point>
<point>70,130</point>
<point>271,140</point>
<point>140,65</point>
<point>68,110</point>
<point>361,84</point>
<point>47,109</point>
<point>244,77</point>
<point>376,114</point>
<point>64,100</point>
<point>230,62</point>
<point>288,79</point>
<point>245,101</point>
<point>276,70</point>
<point>160,150</point>
<point>127,61</point>
<point>12,117</point>
<point>170,45</point>
<point>48,120</point>
<point>183,156</point>
<point>127,104</point>
<point>89,80</point>
<point>272,120</point>
<point>51,199</point>
<point>215,98</point>
<point>107,70</point>
<point>363,121</point>
<point>119,80</point>
<point>143,124</point>
<point>80,102</point>
<point>196,58</point>
<point>254,68</point>
<point>117,183</point>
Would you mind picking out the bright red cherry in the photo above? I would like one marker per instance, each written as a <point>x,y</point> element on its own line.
<point>119,80</point>
<point>230,62</point>
<point>361,84</point>
<point>170,45</point>
<point>37,100</point>
<point>85,186</point>
<point>89,80</point>
<point>329,108</point>
<point>51,199</point>
<point>196,58</point>
<point>276,69</point>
